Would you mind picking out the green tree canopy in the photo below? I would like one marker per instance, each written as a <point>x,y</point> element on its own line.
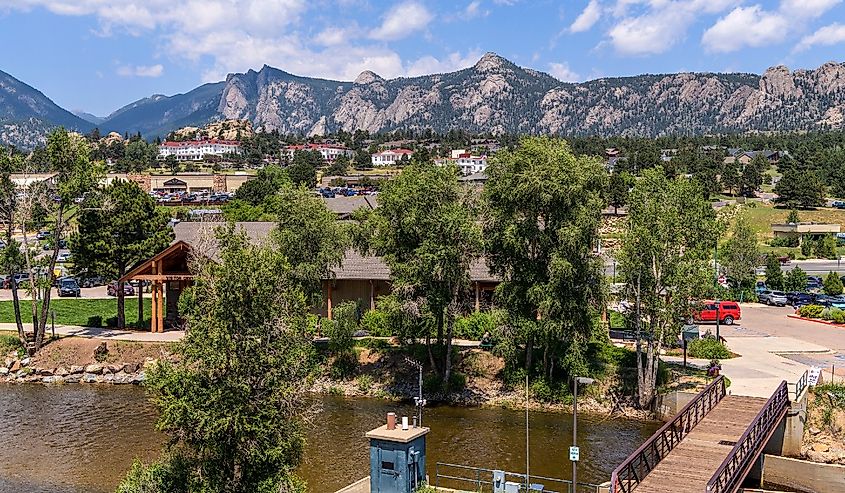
<point>800,189</point>
<point>665,261</point>
<point>233,402</point>
<point>618,188</point>
<point>117,229</point>
<point>832,284</point>
<point>543,208</point>
<point>339,167</point>
<point>774,274</point>
<point>741,253</point>
<point>795,280</point>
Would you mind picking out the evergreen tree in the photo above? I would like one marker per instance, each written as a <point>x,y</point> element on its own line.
<point>774,274</point>
<point>793,217</point>
<point>795,280</point>
<point>339,167</point>
<point>619,185</point>
<point>800,189</point>
<point>832,284</point>
<point>741,253</point>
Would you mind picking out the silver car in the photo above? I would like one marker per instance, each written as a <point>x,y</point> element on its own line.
<point>773,298</point>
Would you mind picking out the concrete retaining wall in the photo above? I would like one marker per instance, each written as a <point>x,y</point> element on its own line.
<point>801,475</point>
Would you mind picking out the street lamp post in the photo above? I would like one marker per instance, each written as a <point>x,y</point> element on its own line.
<point>574,452</point>
<point>718,317</point>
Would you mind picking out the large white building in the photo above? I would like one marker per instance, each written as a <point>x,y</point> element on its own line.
<point>390,157</point>
<point>330,152</point>
<point>196,150</point>
<point>469,164</point>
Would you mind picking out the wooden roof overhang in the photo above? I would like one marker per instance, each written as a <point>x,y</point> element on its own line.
<point>168,265</point>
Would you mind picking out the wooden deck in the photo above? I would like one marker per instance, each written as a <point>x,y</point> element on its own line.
<point>692,462</point>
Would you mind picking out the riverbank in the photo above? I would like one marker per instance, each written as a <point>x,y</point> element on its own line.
<point>379,372</point>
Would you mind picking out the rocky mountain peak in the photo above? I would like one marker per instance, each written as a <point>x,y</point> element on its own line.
<point>490,62</point>
<point>778,81</point>
<point>368,77</point>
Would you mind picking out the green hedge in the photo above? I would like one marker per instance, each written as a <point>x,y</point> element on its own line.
<point>708,348</point>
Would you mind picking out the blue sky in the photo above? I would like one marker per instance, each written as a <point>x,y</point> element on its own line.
<point>97,55</point>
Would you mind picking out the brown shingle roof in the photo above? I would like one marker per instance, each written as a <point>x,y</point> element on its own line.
<point>201,235</point>
<point>344,206</point>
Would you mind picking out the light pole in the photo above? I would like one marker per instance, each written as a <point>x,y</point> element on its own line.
<point>574,452</point>
<point>718,317</point>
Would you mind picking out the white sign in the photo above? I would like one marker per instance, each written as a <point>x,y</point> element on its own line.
<point>574,454</point>
<point>813,376</point>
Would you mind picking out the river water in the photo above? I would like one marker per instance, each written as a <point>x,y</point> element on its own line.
<point>83,438</point>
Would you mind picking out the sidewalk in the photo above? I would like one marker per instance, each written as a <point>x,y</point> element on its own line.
<point>101,333</point>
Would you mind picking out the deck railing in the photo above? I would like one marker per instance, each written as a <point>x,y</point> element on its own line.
<point>630,473</point>
<point>801,385</point>
<point>728,478</point>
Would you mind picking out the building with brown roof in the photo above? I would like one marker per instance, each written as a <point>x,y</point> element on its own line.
<point>359,278</point>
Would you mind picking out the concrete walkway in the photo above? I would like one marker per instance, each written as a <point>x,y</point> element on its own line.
<point>101,333</point>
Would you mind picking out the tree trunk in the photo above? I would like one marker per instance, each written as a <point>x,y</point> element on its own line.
<point>121,300</point>
<point>16,304</point>
<point>141,305</point>
<point>439,320</point>
<point>430,354</point>
<point>529,350</point>
<point>45,304</point>
<point>447,357</point>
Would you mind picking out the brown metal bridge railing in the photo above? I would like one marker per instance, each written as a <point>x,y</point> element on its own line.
<point>630,473</point>
<point>728,478</point>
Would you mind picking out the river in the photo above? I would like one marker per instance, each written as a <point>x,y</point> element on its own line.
<point>83,438</point>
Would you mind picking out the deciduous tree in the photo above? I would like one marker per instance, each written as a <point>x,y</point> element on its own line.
<point>117,229</point>
<point>741,253</point>
<point>774,274</point>
<point>795,280</point>
<point>665,262</point>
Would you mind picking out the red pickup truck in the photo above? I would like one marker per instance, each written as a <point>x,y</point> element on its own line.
<point>729,312</point>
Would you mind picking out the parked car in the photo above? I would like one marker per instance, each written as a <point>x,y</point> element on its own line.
<point>69,287</point>
<point>830,301</point>
<point>813,285</point>
<point>91,281</point>
<point>759,287</point>
<point>63,257</point>
<point>773,298</point>
<point>839,204</point>
<point>49,246</point>
<point>128,290</point>
<point>18,278</point>
<point>42,235</point>
<point>797,299</point>
<point>728,312</point>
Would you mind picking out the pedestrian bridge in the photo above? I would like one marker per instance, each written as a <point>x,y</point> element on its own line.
<point>709,447</point>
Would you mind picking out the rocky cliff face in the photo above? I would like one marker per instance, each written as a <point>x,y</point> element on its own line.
<point>498,96</point>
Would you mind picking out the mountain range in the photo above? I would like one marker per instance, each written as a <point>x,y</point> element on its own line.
<point>495,95</point>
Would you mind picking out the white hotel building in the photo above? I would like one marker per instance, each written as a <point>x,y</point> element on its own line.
<point>330,152</point>
<point>390,157</point>
<point>469,164</point>
<point>196,150</point>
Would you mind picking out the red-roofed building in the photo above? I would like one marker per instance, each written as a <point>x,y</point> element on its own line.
<point>196,150</point>
<point>391,157</point>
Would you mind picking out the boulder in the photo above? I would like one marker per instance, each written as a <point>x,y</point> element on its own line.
<point>4,370</point>
<point>96,369</point>
<point>107,378</point>
<point>114,368</point>
<point>72,378</point>
<point>62,372</point>
<point>101,352</point>
<point>76,370</point>
<point>89,378</point>
<point>138,378</point>
<point>814,430</point>
<point>821,447</point>
<point>130,367</point>
<point>16,366</point>
<point>150,362</point>
<point>52,379</point>
<point>45,372</point>
<point>121,378</point>
<point>26,361</point>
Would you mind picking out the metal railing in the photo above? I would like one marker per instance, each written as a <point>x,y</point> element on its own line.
<point>801,385</point>
<point>481,479</point>
<point>728,478</point>
<point>636,467</point>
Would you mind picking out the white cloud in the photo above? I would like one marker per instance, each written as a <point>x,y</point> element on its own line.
<point>474,10</point>
<point>141,70</point>
<point>825,36</point>
<point>452,62</point>
<point>746,26</point>
<point>807,8</point>
<point>588,17</point>
<point>401,21</point>
<point>657,25</point>
<point>562,72</point>
<point>334,36</point>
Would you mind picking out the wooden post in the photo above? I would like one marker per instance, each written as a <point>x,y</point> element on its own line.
<point>161,307</point>
<point>140,304</point>
<point>477,297</point>
<point>329,300</point>
<point>153,318</point>
<point>372,295</point>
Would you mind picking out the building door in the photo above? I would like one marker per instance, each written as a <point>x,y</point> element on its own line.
<point>390,479</point>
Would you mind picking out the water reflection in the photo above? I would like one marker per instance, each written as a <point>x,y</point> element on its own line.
<point>82,439</point>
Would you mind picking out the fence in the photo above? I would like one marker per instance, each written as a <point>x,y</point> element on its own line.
<point>636,467</point>
<point>737,464</point>
<point>481,480</point>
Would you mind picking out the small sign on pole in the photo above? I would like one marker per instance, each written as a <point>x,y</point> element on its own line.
<point>813,376</point>
<point>574,453</point>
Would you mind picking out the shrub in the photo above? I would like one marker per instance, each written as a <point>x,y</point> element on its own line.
<point>364,383</point>
<point>94,321</point>
<point>708,348</point>
<point>838,317</point>
<point>345,323</point>
<point>832,284</point>
<point>373,343</point>
<point>474,326</point>
<point>784,241</point>
<point>541,391</point>
<point>811,311</point>
<point>9,343</point>
<point>344,365</point>
<point>376,323</point>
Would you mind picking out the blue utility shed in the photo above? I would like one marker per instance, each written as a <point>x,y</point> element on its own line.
<point>397,459</point>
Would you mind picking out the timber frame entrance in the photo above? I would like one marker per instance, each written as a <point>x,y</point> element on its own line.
<point>168,275</point>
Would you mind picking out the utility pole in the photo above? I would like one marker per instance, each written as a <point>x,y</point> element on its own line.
<point>419,402</point>
<point>574,451</point>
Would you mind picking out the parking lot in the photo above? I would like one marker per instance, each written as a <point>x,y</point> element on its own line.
<point>98,292</point>
<point>761,320</point>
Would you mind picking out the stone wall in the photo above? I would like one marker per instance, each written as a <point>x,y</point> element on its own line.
<point>801,475</point>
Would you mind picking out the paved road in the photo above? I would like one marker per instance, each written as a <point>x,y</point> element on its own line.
<point>814,267</point>
<point>88,293</point>
<point>101,333</point>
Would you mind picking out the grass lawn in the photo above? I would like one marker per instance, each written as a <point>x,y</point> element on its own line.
<point>762,218</point>
<point>84,312</point>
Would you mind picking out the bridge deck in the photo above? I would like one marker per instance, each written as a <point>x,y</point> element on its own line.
<point>693,461</point>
